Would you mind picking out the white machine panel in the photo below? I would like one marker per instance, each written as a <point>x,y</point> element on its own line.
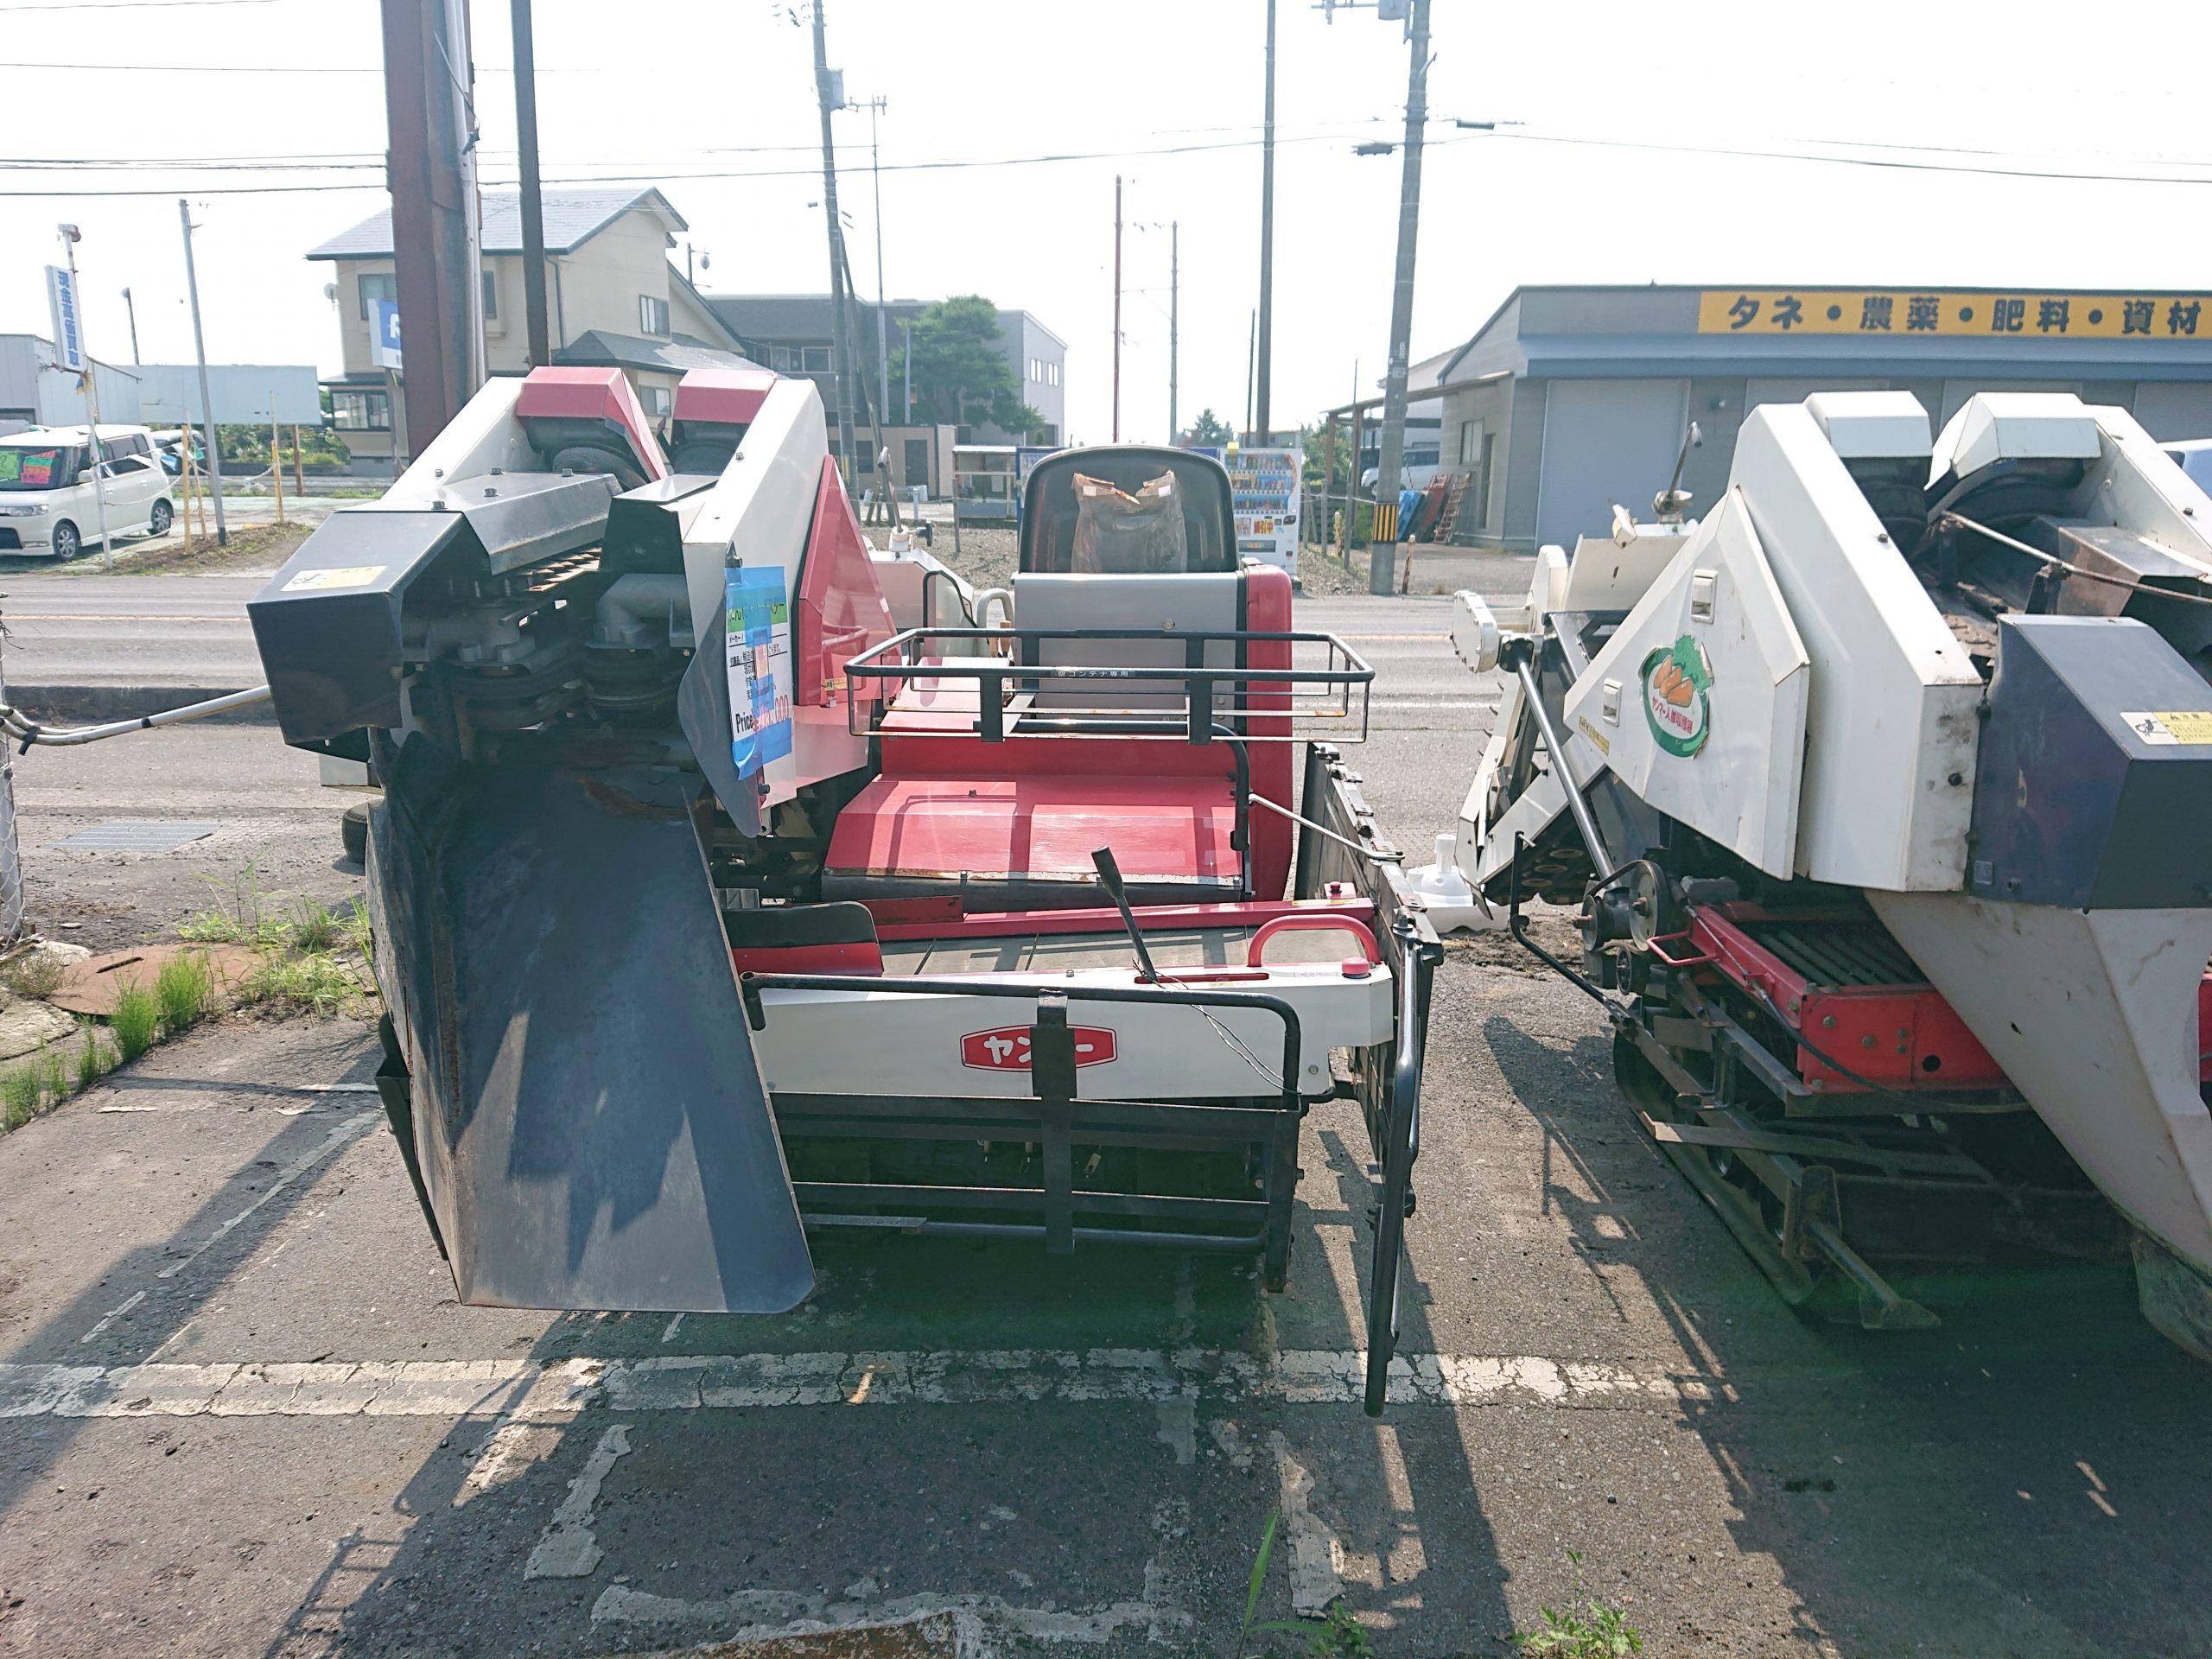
<point>1881,425</point>
<point>761,509</point>
<point>2105,1050</point>
<point>1611,573</point>
<point>1698,701</point>
<point>1994,426</point>
<point>1891,723</point>
<point>880,1042</point>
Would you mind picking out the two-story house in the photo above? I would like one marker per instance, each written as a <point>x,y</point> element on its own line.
<point>613,299</point>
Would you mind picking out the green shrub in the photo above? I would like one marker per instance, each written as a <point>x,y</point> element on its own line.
<point>184,988</point>
<point>136,1021</point>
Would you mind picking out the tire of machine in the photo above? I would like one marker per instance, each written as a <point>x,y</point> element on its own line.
<point>353,829</point>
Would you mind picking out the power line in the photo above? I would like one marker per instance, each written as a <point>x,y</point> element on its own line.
<point>1886,163</point>
<point>125,5</point>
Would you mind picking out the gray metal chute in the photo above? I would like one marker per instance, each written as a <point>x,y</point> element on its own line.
<point>592,1128</point>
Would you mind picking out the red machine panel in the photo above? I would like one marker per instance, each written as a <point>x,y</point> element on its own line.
<point>842,610</point>
<point>723,396</point>
<point>592,395</point>
<point>1845,987</point>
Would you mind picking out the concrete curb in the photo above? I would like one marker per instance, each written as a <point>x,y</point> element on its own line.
<point>91,705</point>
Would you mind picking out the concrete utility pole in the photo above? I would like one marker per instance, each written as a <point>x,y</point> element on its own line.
<point>1117,309</point>
<point>1174,316</point>
<point>207,406</point>
<point>131,309</point>
<point>1251,352</point>
<point>829,98</point>
<point>874,107</point>
<point>1266,326</point>
<point>533,201</point>
<point>1381,555</point>
<point>440,288</point>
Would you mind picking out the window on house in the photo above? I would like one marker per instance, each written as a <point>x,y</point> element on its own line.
<point>1482,484</point>
<point>1051,374</point>
<point>655,400</point>
<point>1471,442</point>
<point>360,412</point>
<point>780,357</point>
<point>377,285</point>
<point>652,315</point>
<point>491,296</point>
<point>817,359</point>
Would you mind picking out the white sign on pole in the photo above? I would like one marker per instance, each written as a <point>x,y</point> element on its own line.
<point>384,333</point>
<point>61,304</point>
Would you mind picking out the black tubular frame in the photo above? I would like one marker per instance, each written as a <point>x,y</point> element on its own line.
<point>1197,678</point>
<point>1052,1117</point>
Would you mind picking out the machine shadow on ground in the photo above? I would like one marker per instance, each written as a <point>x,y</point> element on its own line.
<point>1129,1523</point>
<point>2024,1479</point>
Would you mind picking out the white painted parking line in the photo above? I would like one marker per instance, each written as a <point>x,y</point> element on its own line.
<point>568,1549</point>
<point>520,1391</point>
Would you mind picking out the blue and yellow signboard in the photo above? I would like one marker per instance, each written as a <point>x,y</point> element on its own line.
<point>2027,314</point>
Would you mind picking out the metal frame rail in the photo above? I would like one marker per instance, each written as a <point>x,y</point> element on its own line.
<point>1055,1117</point>
<point>898,659</point>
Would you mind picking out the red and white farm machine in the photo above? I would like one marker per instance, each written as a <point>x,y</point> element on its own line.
<point>734,882</point>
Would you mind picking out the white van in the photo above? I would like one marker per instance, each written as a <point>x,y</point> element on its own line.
<point>46,489</point>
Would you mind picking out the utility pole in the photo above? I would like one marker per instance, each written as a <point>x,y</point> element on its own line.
<point>436,271</point>
<point>875,107</point>
<point>459,78</point>
<point>133,311</point>
<point>207,406</point>
<point>1117,309</point>
<point>69,237</point>
<point>1382,554</point>
<point>828,98</point>
<point>1251,346</point>
<point>533,202</point>
<point>1265,329</point>
<point>1174,316</point>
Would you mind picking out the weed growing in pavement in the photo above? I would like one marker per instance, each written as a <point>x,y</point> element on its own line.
<point>316,982</point>
<point>33,973</point>
<point>1339,1635</point>
<point>19,1095</point>
<point>359,931</point>
<point>237,918</point>
<point>1596,1632</point>
<point>93,1059</point>
<point>135,1022</point>
<point>184,986</point>
<point>314,925</point>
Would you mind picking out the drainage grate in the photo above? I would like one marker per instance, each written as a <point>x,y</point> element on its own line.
<point>139,836</point>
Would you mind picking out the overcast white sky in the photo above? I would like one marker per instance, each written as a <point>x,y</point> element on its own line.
<point>673,89</point>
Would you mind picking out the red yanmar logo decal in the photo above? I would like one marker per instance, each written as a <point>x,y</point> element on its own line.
<point>1007,1049</point>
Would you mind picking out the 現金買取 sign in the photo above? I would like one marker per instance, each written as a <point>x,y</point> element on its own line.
<point>2025,315</point>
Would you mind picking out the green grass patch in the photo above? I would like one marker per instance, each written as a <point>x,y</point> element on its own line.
<point>95,1059</point>
<point>19,1095</point>
<point>312,982</point>
<point>183,989</point>
<point>135,1022</point>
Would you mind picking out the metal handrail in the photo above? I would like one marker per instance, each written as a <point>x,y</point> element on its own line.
<point>898,659</point>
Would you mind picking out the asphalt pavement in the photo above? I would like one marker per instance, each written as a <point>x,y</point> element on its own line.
<point>241,1413</point>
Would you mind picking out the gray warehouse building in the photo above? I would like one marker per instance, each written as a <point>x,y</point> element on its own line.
<point>1572,398</point>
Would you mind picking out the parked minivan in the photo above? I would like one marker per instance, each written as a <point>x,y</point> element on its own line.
<point>46,489</point>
